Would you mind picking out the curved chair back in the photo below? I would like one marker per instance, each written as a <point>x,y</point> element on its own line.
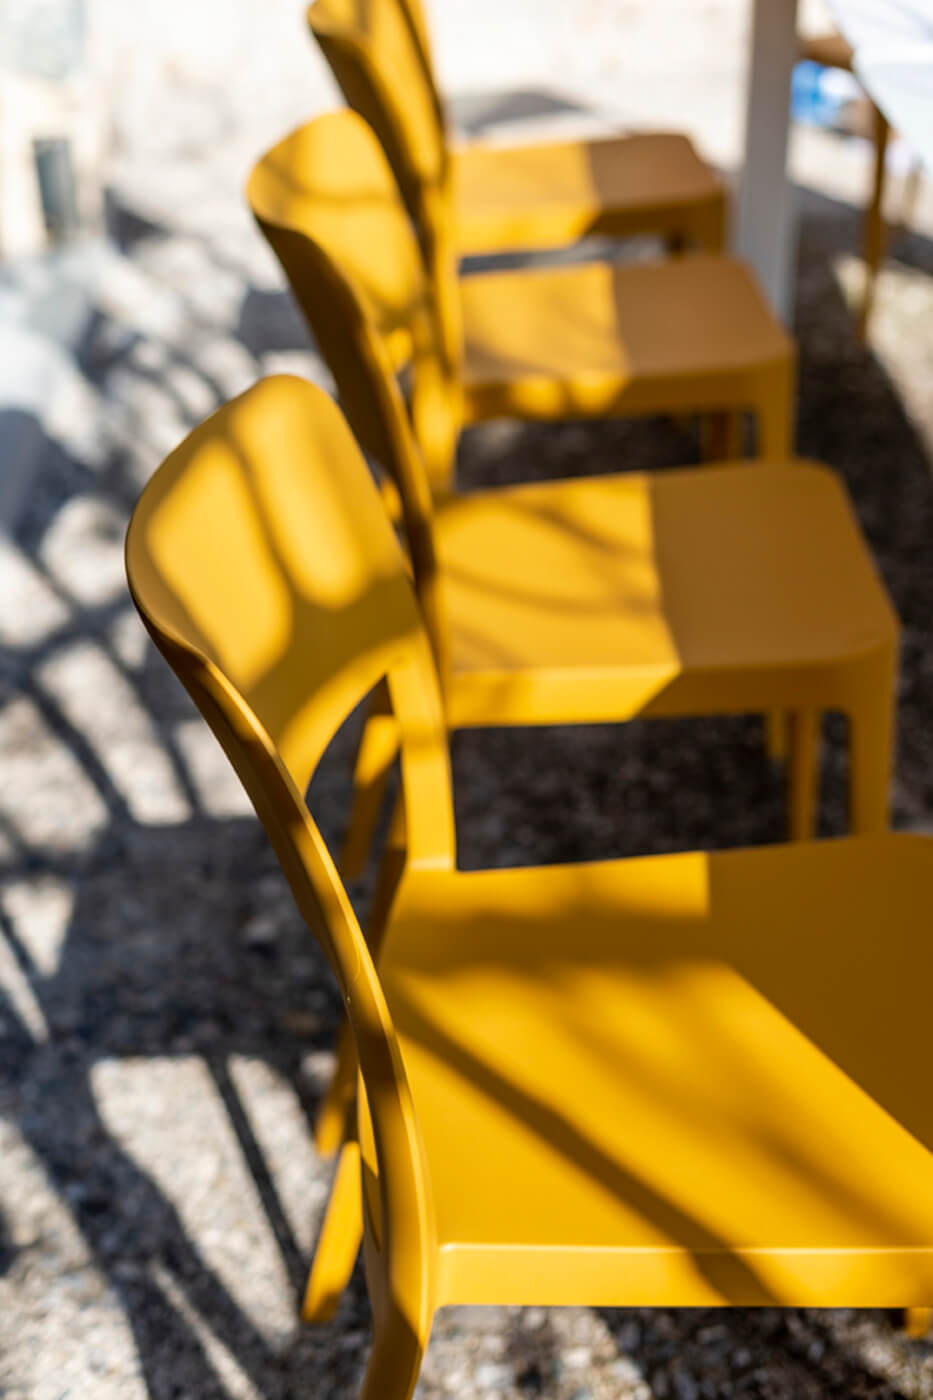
<point>418,21</point>
<point>378,52</point>
<point>325,199</point>
<point>268,575</point>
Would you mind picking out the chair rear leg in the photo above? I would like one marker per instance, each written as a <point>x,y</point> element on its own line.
<point>917,1321</point>
<point>722,435</point>
<point>712,231</point>
<point>777,731</point>
<point>332,1116</point>
<point>802,774</point>
<point>374,759</point>
<point>339,1241</point>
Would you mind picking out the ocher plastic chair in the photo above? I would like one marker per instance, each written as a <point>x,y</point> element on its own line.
<point>694,591</point>
<point>690,334</point>
<point>685,1080</point>
<point>521,197</point>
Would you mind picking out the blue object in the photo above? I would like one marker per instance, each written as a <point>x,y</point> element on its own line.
<point>819,95</point>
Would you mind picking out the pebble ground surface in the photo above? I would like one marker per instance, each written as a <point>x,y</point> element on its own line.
<point>166,1023</point>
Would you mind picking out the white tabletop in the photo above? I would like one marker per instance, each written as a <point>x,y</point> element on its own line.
<point>893,43</point>
<point>876,25</point>
<point>902,86</point>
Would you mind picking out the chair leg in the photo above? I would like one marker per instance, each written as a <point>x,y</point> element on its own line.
<point>330,1125</point>
<point>395,1360</point>
<point>339,1241</point>
<point>871,736</point>
<point>777,724</point>
<point>917,1321</point>
<point>774,414</point>
<point>712,231</point>
<point>874,225</point>
<point>374,759</point>
<point>910,195</point>
<point>722,436</point>
<point>802,773</point>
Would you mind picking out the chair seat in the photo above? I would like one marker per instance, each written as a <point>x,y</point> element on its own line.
<point>680,1080</point>
<point>696,590</point>
<point>552,193</point>
<point>571,341</point>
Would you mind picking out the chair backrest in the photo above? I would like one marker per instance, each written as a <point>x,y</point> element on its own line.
<point>266,571</point>
<point>418,20</point>
<point>325,199</point>
<point>378,52</point>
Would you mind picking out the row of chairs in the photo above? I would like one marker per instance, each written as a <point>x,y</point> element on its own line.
<point>677,1080</point>
<point>601,598</point>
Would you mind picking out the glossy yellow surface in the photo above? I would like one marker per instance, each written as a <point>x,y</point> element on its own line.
<point>531,196</point>
<point>598,599</point>
<point>690,334</point>
<point>680,1080</point>
<point>541,196</point>
<point>677,1080</point>
<point>600,339</point>
<point>700,590</point>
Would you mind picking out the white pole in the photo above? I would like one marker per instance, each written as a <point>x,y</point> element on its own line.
<point>765,225</point>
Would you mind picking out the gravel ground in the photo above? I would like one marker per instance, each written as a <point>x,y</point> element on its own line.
<point>166,1024</point>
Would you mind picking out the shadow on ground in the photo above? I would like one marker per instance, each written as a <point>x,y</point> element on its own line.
<point>181,943</point>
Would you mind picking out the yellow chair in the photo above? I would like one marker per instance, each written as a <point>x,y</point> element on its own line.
<point>684,592</point>
<point>686,1080</point>
<point>691,334</point>
<point>522,197</point>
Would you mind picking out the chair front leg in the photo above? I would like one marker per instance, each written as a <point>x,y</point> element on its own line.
<point>774,413</point>
<point>871,746</point>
